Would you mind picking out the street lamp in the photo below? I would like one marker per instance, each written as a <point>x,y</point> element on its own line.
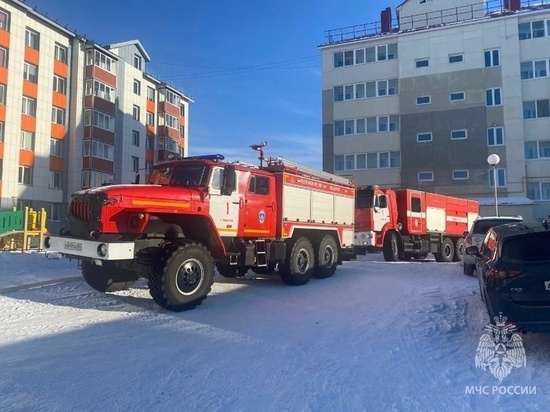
<point>493,160</point>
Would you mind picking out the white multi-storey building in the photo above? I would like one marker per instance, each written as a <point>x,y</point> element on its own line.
<point>76,114</point>
<point>423,102</point>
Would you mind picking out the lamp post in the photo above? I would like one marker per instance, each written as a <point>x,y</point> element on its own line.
<point>493,160</point>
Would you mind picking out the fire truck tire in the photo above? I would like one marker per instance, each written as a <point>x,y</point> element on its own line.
<point>298,266</point>
<point>184,279</point>
<point>231,271</point>
<point>107,278</point>
<point>459,250</point>
<point>390,249</point>
<point>447,251</point>
<point>327,258</point>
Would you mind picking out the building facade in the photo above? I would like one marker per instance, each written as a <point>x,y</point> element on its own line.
<point>423,102</point>
<point>75,114</point>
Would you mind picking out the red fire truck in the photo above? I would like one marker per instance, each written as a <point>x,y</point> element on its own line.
<point>198,213</point>
<point>405,223</point>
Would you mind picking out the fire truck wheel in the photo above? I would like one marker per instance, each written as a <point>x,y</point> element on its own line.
<point>298,266</point>
<point>447,251</point>
<point>459,250</point>
<point>327,258</point>
<point>107,278</point>
<point>185,278</point>
<point>231,271</point>
<point>390,250</point>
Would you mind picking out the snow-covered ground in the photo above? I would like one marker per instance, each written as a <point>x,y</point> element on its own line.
<point>377,336</point>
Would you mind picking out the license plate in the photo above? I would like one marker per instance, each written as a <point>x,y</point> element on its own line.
<point>76,246</point>
<point>547,285</point>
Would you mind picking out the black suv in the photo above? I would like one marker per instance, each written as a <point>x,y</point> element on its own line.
<point>513,266</point>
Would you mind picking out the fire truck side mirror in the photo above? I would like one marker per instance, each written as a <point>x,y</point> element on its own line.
<point>229,180</point>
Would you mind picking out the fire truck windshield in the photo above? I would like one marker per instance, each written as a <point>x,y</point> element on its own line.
<point>181,175</point>
<point>364,199</point>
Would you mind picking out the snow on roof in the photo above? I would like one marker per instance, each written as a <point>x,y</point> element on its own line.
<point>506,201</point>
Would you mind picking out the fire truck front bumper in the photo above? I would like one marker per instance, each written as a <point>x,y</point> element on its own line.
<point>364,239</point>
<point>80,248</point>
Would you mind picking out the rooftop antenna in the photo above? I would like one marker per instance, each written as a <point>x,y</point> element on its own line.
<point>260,148</point>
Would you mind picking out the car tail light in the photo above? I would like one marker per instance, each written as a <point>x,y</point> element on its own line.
<point>505,274</point>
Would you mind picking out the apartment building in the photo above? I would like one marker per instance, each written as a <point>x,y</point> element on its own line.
<point>421,101</point>
<point>75,114</point>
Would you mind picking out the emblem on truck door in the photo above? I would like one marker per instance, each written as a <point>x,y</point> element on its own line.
<point>261,216</point>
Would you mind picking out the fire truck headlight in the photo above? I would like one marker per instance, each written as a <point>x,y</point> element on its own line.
<point>102,250</point>
<point>135,220</point>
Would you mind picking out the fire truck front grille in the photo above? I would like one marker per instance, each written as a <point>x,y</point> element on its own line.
<point>84,214</point>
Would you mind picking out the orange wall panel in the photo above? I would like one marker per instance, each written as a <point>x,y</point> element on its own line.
<point>56,163</point>
<point>59,100</point>
<point>58,131</point>
<point>32,55</point>
<point>4,38</point>
<point>2,113</point>
<point>28,123</point>
<point>150,155</point>
<point>149,130</point>
<point>61,69</point>
<point>150,106</point>
<point>104,76</point>
<point>4,75</point>
<point>26,157</point>
<point>30,89</point>
<point>1,150</point>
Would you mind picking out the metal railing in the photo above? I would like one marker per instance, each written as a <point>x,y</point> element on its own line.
<point>490,8</point>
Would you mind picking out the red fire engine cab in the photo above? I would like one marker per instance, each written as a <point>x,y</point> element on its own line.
<point>405,223</point>
<point>200,213</point>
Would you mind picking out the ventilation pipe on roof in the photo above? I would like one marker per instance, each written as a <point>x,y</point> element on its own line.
<point>385,20</point>
<point>512,5</point>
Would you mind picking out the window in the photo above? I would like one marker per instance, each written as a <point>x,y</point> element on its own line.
<point>2,94</point>
<point>27,140</point>
<point>541,68</point>
<point>459,134</point>
<point>30,73</point>
<point>492,58</point>
<point>424,137</point>
<point>526,70</point>
<point>95,179</point>
<point>457,96</point>
<point>495,136</point>
<point>93,87</point>
<point>150,118</point>
<point>54,212</point>
<point>135,112</point>
<point>135,164</point>
<point>32,39</point>
<point>56,147</point>
<point>60,53</point>
<point>55,180</point>
<point>461,174</point>
<point>25,175</point>
<point>137,87</point>
<point>423,100</point>
<point>29,106</point>
<point>137,61</point>
<point>456,58</point>
<point>149,143</point>
<point>58,115</point>
<point>501,178</point>
<point>166,95</point>
<point>258,185</point>
<point>425,176</point>
<point>150,94</point>
<point>531,30</point>
<point>3,57</point>
<point>4,20</point>
<point>1,131</point>
<point>339,162</point>
<point>338,59</point>
<point>99,59</point>
<point>492,97</point>
<point>135,138</point>
<point>424,1</point>
<point>422,63</point>
<point>182,131</point>
<point>359,56</point>
<point>99,149</point>
<point>59,84</point>
<point>537,150</point>
<point>374,160</point>
<point>538,190</point>
<point>149,167</point>
<point>536,109</point>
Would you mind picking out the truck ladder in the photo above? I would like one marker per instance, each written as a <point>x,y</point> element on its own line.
<point>261,255</point>
<point>280,161</point>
